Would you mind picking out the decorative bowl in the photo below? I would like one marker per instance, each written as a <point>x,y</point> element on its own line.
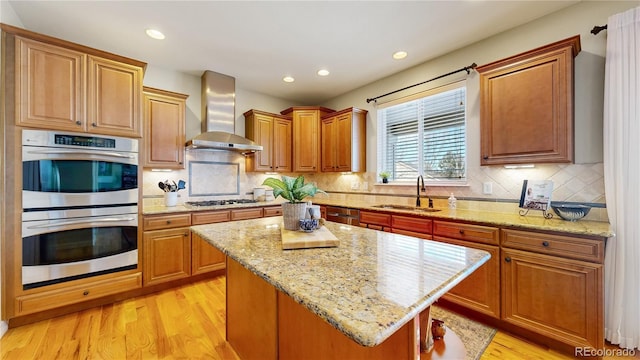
<point>308,225</point>
<point>571,212</point>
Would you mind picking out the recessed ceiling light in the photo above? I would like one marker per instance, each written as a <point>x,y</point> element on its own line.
<point>323,72</point>
<point>288,79</point>
<point>399,55</point>
<point>155,34</point>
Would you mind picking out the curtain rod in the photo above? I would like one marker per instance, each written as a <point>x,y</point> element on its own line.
<point>466,68</point>
<point>596,29</point>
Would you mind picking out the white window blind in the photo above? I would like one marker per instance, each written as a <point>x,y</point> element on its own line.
<point>425,136</point>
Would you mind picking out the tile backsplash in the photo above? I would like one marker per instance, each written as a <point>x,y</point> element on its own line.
<point>214,174</point>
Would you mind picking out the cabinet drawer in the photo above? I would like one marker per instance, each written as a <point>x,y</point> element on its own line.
<point>375,218</point>
<point>476,233</point>
<point>412,233</point>
<point>210,217</point>
<point>57,298</point>
<point>273,211</point>
<point>414,224</point>
<point>244,214</point>
<point>564,246</point>
<point>166,221</point>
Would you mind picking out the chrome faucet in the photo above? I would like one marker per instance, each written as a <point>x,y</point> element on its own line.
<point>424,189</point>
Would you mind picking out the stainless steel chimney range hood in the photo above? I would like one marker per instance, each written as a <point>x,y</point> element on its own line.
<point>219,116</point>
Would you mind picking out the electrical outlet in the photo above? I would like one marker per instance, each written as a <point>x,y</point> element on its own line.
<point>355,185</point>
<point>365,186</point>
<point>487,188</point>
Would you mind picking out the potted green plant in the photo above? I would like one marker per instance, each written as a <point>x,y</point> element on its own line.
<point>295,191</point>
<point>385,176</point>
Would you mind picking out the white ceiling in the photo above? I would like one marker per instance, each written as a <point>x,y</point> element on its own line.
<point>259,42</point>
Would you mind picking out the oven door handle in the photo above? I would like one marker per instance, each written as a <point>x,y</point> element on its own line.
<point>82,152</point>
<point>76,222</point>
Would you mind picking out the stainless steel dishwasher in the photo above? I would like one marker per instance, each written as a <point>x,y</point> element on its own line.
<point>343,215</point>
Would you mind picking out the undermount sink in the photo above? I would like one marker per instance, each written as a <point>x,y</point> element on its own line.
<point>405,207</point>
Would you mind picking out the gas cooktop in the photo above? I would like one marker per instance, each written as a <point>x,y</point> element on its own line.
<point>220,202</point>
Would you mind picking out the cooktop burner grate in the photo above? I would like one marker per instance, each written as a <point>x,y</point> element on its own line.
<point>220,202</point>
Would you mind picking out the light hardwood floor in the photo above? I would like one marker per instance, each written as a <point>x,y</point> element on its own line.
<point>186,322</point>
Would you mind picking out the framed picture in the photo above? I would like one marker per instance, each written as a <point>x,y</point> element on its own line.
<point>536,194</point>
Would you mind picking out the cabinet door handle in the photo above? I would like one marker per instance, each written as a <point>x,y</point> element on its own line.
<point>507,259</point>
<point>94,124</point>
<point>78,122</point>
<point>186,234</point>
<point>485,157</point>
<point>545,243</point>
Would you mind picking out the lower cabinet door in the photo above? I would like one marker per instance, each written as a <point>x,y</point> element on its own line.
<point>555,297</point>
<point>167,255</point>
<point>480,291</point>
<point>205,257</point>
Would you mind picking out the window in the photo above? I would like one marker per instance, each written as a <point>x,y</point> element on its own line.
<point>425,135</point>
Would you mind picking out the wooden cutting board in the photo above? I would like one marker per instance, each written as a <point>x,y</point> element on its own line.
<point>301,240</point>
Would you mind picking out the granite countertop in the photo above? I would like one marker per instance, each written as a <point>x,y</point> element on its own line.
<point>488,216</point>
<point>491,214</point>
<point>368,287</point>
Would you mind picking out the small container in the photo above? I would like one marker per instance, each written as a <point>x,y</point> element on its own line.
<point>268,195</point>
<point>171,198</point>
<point>259,194</point>
<point>308,225</point>
<point>452,201</point>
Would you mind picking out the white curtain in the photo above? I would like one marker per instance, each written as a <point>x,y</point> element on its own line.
<point>622,179</point>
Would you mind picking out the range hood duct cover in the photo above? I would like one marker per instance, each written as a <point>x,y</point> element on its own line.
<point>219,116</point>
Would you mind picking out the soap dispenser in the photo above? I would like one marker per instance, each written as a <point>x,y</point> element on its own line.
<point>452,201</point>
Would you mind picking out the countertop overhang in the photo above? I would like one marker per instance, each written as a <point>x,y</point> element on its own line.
<point>368,287</point>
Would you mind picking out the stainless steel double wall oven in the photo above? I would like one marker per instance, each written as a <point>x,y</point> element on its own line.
<point>80,206</point>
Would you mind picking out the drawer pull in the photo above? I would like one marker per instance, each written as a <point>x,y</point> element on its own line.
<point>85,293</point>
<point>461,232</point>
<point>507,259</point>
<point>168,222</point>
<point>545,243</point>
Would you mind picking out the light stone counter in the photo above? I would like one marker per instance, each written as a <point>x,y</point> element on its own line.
<point>487,213</point>
<point>496,214</point>
<point>368,287</point>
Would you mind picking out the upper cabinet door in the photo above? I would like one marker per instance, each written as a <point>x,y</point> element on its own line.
<point>164,128</point>
<point>49,86</point>
<point>526,106</point>
<point>62,87</point>
<point>306,140</point>
<point>282,132</point>
<point>114,98</point>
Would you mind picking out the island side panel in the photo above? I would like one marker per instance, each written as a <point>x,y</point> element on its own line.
<point>304,335</point>
<point>251,314</point>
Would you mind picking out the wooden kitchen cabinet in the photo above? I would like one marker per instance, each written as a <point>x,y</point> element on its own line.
<point>274,133</point>
<point>167,255</point>
<point>306,136</point>
<point>553,295</point>
<point>59,86</point>
<point>416,226</point>
<point>164,129</point>
<point>343,136</point>
<point>172,252</point>
<point>526,106</point>
<point>480,291</point>
<point>375,220</point>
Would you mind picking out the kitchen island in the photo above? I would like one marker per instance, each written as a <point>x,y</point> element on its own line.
<point>363,299</point>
